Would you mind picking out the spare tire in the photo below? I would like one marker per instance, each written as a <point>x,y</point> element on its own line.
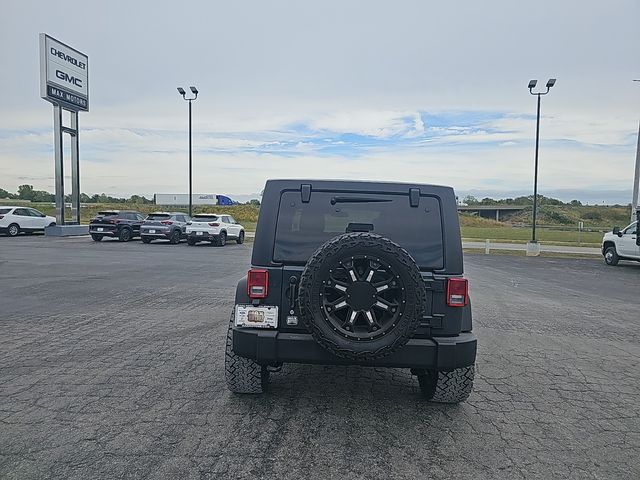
<point>361,296</point>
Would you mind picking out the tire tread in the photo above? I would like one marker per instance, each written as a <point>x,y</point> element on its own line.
<point>453,386</point>
<point>242,375</point>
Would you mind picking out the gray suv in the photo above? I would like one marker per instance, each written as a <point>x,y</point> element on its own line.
<point>164,226</point>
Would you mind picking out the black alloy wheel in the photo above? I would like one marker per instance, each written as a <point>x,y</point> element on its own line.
<point>124,235</point>
<point>362,296</point>
<point>220,240</point>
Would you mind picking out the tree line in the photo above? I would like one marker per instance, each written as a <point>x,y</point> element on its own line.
<point>524,200</point>
<point>27,192</point>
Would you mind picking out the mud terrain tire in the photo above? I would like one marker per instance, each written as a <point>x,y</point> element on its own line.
<point>243,375</point>
<point>395,262</point>
<point>453,386</point>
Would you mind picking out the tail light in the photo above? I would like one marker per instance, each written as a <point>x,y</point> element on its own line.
<point>257,283</point>
<point>457,292</point>
<point>214,224</point>
<point>1,217</point>
<point>188,223</point>
<point>113,220</point>
<point>166,222</point>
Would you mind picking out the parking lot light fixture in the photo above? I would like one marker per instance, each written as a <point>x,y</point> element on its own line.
<point>182,92</point>
<point>635,202</point>
<point>532,84</point>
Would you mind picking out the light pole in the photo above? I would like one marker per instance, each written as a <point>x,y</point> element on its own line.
<point>532,85</point>
<point>181,91</point>
<point>636,179</point>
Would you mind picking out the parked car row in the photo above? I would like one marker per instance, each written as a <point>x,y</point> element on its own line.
<point>14,220</point>
<point>171,226</point>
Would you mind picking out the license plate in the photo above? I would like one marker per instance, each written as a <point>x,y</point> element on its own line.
<point>198,233</point>
<point>100,229</point>
<point>256,317</point>
<point>152,231</point>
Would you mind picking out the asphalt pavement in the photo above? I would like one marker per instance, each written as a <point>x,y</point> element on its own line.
<point>111,366</point>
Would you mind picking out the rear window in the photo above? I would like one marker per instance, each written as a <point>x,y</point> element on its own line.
<point>205,218</point>
<point>158,216</point>
<point>108,213</point>
<point>303,227</point>
<point>4,210</point>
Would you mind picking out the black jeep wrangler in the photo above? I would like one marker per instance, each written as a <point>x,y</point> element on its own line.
<point>359,273</point>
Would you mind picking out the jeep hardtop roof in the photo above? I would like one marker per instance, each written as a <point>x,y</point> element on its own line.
<point>425,217</point>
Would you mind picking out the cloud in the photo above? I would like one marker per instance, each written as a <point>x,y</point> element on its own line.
<point>468,150</point>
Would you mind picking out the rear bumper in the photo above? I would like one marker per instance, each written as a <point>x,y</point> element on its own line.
<point>158,234</point>
<point>105,232</point>
<point>205,237</point>
<point>272,347</point>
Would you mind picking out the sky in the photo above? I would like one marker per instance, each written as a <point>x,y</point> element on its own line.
<point>414,91</point>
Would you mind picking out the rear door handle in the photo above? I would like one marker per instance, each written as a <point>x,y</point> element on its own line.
<point>293,283</point>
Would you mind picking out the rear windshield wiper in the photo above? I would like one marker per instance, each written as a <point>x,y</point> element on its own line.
<point>335,200</point>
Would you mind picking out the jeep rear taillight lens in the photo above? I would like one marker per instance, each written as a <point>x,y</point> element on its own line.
<point>257,283</point>
<point>166,222</point>
<point>214,224</point>
<point>457,292</point>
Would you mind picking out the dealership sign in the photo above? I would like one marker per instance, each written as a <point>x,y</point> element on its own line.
<point>64,75</point>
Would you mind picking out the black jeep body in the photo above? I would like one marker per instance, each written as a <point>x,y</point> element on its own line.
<point>362,273</point>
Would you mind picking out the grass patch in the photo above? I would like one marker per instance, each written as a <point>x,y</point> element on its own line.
<point>508,234</point>
<point>467,220</point>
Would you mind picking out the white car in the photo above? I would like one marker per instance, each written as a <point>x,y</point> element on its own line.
<point>214,228</point>
<point>621,244</point>
<point>14,220</point>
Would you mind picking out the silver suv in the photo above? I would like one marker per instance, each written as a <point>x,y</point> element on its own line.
<point>164,226</point>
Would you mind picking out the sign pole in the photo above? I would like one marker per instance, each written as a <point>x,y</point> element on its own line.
<point>59,160</point>
<point>64,81</point>
<point>75,169</point>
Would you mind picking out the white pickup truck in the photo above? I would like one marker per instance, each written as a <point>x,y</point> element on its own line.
<point>621,244</point>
